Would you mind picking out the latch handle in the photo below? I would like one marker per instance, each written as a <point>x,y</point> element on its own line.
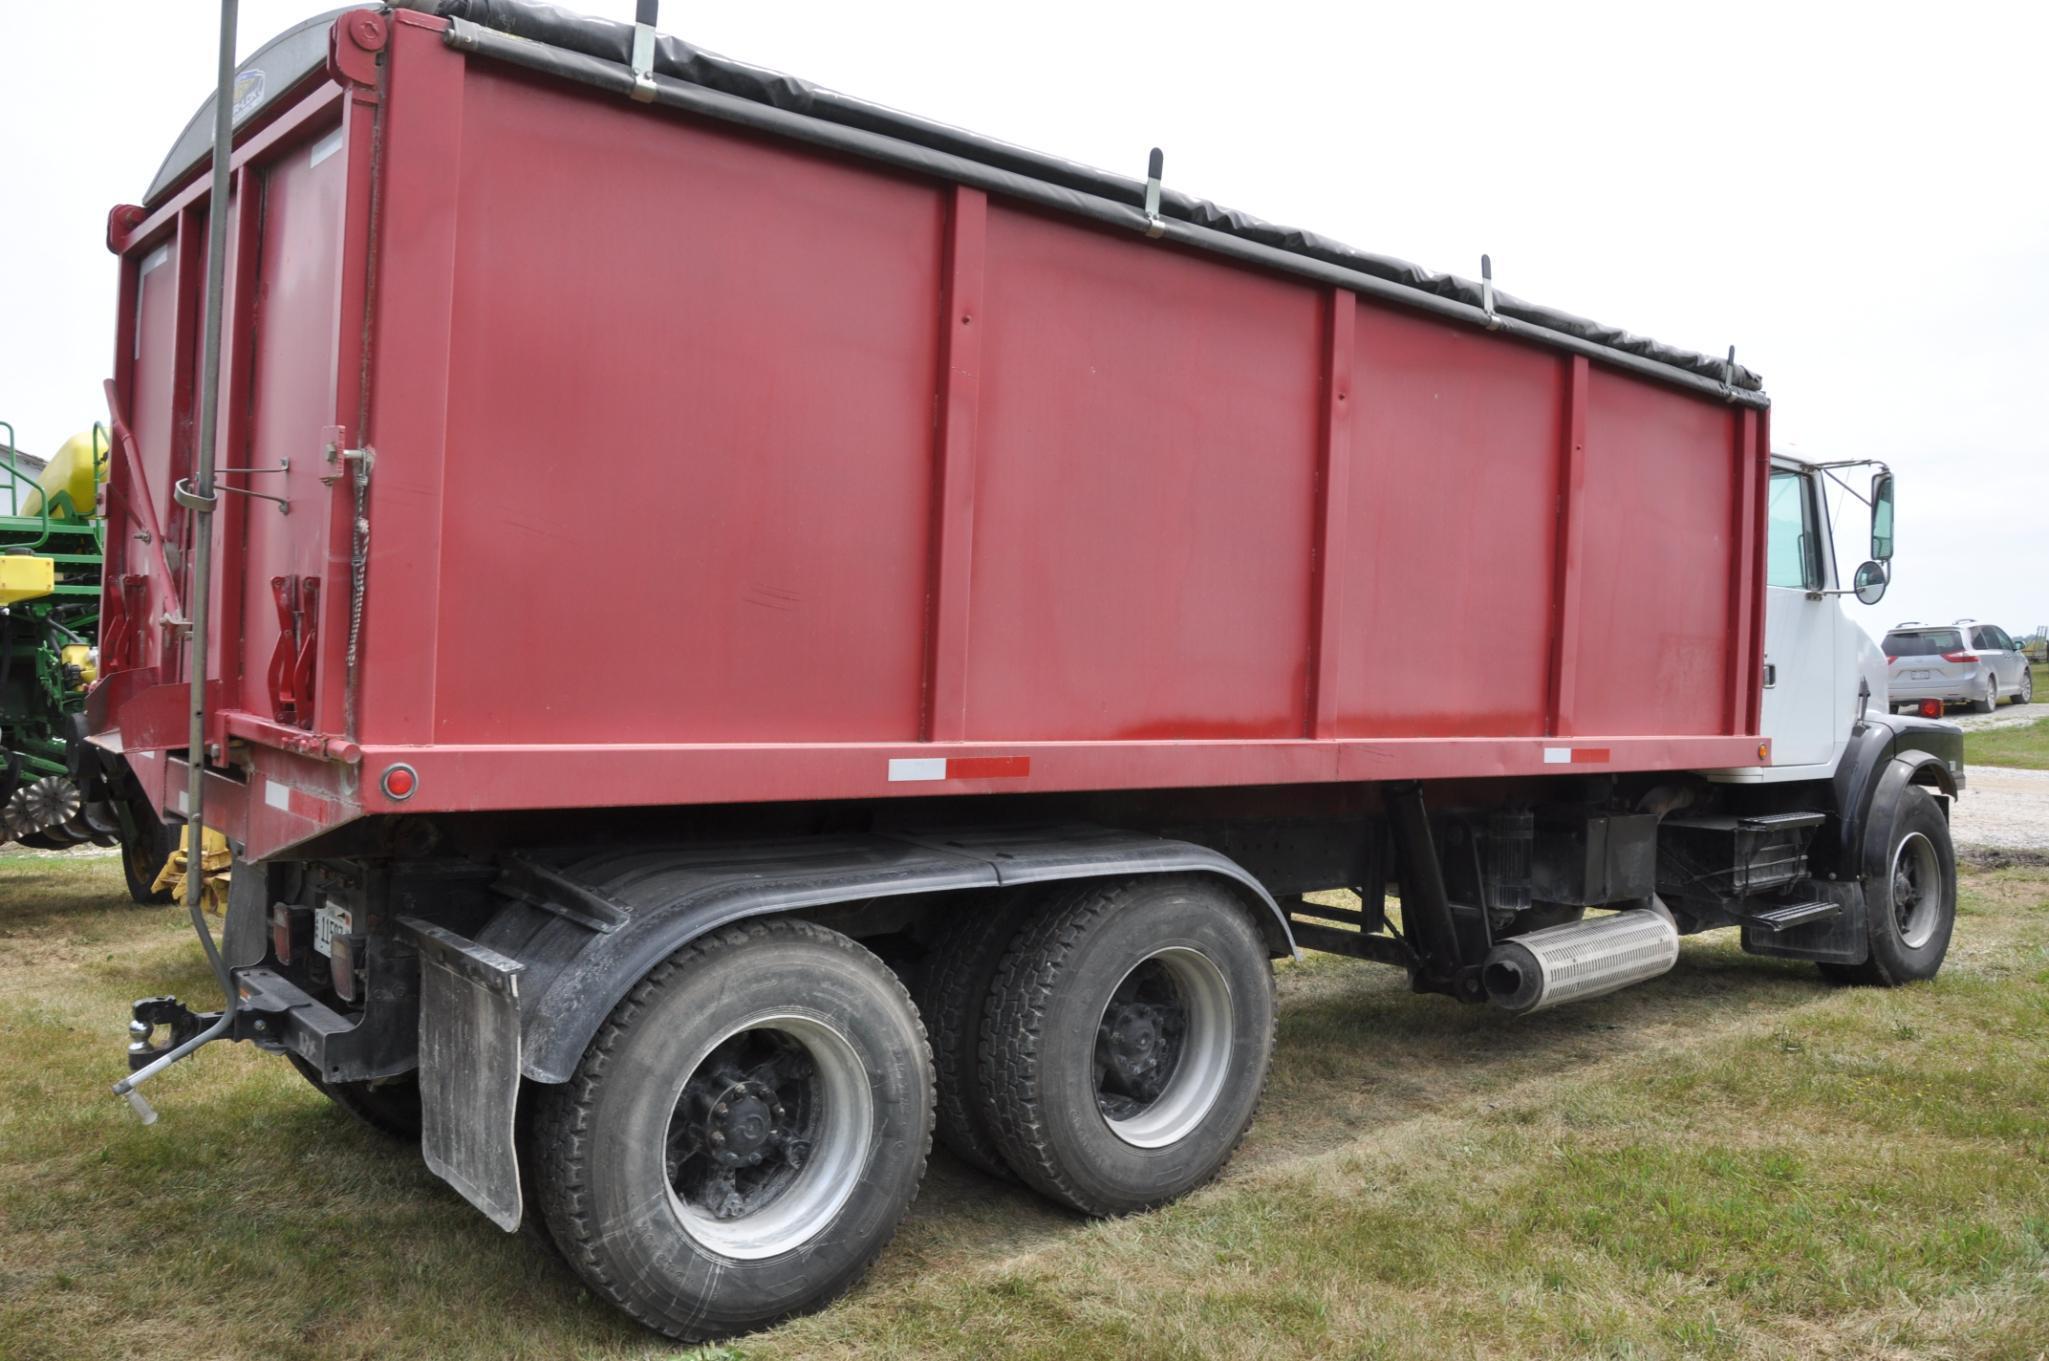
<point>1154,163</point>
<point>644,50</point>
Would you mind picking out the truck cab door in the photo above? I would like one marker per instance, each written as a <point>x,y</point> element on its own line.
<point>1800,626</point>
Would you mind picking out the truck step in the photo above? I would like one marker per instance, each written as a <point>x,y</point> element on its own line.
<point>1790,915</point>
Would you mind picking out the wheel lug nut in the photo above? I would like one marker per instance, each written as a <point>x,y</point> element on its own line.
<point>718,1136</point>
<point>719,1109</point>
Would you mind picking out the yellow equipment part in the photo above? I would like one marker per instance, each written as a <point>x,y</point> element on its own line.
<point>80,656</point>
<point>215,861</point>
<point>74,475</point>
<point>23,577</point>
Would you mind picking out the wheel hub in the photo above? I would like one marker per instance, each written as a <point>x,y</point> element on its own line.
<point>1163,1047</point>
<point>768,1135</point>
<point>1917,890</point>
<point>745,1124</point>
<point>1136,1044</point>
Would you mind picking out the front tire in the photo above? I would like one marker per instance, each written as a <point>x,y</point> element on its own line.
<point>2026,693</point>
<point>1910,910</point>
<point>745,1133</point>
<point>1127,1042</point>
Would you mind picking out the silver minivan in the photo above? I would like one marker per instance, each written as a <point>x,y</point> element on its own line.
<point>1965,663</point>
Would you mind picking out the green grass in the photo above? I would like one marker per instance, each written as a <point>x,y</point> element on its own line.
<point>2025,745</point>
<point>1735,1160</point>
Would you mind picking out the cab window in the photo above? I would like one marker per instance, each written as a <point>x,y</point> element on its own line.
<point>1790,539</point>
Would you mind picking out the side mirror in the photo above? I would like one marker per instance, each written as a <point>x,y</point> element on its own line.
<point>1870,582</point>
<point>1881,517</point>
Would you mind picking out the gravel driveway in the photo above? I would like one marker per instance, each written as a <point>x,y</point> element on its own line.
<point>2003,808</point>
<point>2005,716</point>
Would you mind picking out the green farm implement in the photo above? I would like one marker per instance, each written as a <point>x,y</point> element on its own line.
<point>51,545</point>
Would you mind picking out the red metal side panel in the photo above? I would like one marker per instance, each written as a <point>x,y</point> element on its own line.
<point>155,359</point>
<point>713,468</point>
<point>292,388</point>
<point>1659,505</point>
<point>1449,564</point>
<point>1148,442</point>
<point>690,433</point>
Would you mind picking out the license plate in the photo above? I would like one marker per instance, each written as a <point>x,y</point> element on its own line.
<point>1919,675</point>
<point>328,922</point>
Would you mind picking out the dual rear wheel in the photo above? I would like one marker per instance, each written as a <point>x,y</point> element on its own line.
<point>743,1136</point>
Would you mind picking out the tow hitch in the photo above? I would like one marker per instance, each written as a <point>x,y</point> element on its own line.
<point>149,1013</point>
<point>188,1031</point>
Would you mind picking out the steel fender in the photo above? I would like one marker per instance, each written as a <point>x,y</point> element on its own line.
<point>588,926</point>
<point>1905,771</point>
<point>1877,744</point>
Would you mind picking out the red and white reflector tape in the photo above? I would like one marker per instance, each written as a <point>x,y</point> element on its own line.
<point>909,768</point>
<point>1576,756</point>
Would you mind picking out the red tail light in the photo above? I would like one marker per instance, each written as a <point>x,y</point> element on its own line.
<point>1931,708</point>
<point>347,952</point>
<point>291,931</point>
<point>1958,657</point>
<point>1890,659</point>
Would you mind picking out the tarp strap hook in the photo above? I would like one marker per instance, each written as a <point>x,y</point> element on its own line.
<point>644,51</point>
<point>1154,227</point>
<point>1487,292</point>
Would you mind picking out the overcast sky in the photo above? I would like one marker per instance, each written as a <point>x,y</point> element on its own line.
<point>1852,196</point>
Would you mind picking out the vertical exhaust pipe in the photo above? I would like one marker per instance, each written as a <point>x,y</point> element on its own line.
<point>1581,959</point>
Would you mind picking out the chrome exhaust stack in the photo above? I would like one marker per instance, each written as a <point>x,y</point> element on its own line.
<point>1581,959</point>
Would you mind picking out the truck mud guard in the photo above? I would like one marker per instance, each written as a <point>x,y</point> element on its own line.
<point>469,1068</point>
<point>588,925</point>
<point>1933,754</point>
<point>525,999</point>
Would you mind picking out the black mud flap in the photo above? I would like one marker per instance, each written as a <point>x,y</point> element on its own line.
<point>469,1068</point>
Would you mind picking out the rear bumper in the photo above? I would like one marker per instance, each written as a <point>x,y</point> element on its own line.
<point>1950,690</point>
<point>381,1041</point>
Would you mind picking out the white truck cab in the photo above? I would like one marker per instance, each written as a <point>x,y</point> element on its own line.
<point>1821,671</point>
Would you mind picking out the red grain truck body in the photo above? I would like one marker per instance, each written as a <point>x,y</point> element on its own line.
<point>658,496</point>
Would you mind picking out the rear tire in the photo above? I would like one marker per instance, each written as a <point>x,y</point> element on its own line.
<point>953,999</point>
<point>1127,1042</point>
<point>1991,699</point>
<point>391,1106</point>
<point>802,1053</point>
<point>1910,911</point>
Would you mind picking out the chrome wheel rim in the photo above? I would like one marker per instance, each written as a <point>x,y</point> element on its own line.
<point>1916,889</point>
<point>768,1135</point>
<point>1163,1047</point>
<point>2027,687</point>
